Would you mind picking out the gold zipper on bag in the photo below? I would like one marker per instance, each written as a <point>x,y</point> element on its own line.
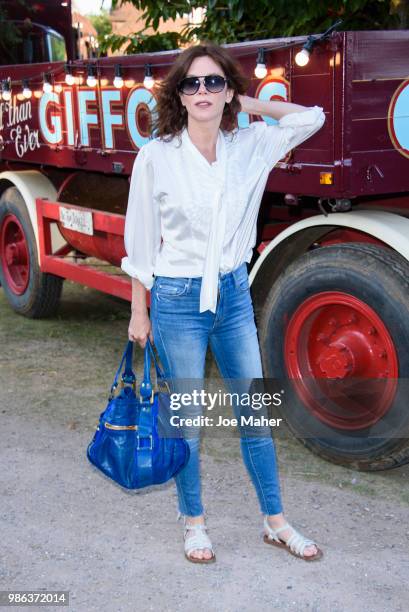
<point>110,426</point>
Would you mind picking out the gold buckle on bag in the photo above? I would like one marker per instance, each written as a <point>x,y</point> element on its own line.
<point>119,427</point>
<point>116,391</point>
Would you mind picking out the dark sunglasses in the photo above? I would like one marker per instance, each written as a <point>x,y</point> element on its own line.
<point>214,83</point>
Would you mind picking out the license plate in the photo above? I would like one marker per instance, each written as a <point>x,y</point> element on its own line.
<point>78,220</point>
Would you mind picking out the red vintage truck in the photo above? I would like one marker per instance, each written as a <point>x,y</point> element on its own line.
<point>330,272</point>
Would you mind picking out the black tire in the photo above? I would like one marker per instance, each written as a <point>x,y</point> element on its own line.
<point>42,295</point>
<point>379,277</point>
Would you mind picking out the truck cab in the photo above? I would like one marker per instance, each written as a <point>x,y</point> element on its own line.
<point>36,32</point>
<point>34,44</point>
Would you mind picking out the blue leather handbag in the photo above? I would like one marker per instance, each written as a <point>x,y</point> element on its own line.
<point>135,443</point>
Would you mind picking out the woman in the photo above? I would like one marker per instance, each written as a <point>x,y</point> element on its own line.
<point>198,185</point>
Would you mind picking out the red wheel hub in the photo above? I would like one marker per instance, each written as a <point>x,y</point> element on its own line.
<point>14,254</point>
<point>342,359</point>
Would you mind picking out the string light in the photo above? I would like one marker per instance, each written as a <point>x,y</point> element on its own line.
<point>118,80</point>
<point>148,81</point>
<point>69,78</point>
<point>47,87</point>
<point>260,70</point>
<point>27,93</point>
<point>301,59</point>
<point>91,79</point>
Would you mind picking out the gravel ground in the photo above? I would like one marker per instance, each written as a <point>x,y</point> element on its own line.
<point>65,526</point>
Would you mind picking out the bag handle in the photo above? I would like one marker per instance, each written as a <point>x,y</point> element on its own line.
<point>146,390</point>
<point>159,371</point>
<point>128,375</point>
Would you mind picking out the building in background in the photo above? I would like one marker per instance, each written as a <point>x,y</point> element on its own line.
<point>86,35</point>
<point>127,19</point>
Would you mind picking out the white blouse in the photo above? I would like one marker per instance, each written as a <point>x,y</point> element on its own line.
<point>205,213</point>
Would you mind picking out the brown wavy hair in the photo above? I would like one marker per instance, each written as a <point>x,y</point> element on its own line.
<point>170,116</point>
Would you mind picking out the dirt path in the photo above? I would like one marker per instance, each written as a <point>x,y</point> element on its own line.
<point>64,526</point>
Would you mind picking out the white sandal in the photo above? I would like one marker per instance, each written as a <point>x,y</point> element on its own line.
<point>295,545</point>
<point>198,541</point>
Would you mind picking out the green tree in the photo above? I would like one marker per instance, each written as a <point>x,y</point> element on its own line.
<point>227,21</point>
<point>101,23</point>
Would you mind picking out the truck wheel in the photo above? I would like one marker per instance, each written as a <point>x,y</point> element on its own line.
<point>29,291</point>
<point>335,330</point>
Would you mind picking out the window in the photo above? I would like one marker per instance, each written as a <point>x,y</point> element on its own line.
<point>57,50</point>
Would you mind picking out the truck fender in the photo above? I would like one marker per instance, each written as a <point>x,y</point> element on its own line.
<point>389,228</point>
<point>33,184</point>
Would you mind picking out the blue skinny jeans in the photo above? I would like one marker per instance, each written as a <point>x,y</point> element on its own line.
<point>181,335</point>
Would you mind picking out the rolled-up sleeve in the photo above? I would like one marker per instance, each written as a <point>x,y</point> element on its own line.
<point>142,234</point>
<point>273,142</point>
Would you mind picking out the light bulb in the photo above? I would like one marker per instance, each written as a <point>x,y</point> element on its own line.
<point>91,80</point>
<point>118,80</point>
<point>6,90</point>
<point>260,71</point>
<point>58,88</point>
<point>302,58</point>
<point>26,89</point>
<point>47,87</point>
<point>148,82</point>
<point>69,78</point>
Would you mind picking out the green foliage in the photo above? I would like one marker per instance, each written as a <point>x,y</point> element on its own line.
<point>101,23</point>
<point>227,21</point>
<point>141,43</point>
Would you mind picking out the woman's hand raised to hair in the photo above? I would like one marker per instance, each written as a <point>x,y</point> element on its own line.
<point>272,108</point>
<point>242,100</point>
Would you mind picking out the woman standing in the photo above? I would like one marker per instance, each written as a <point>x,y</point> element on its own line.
<point>198,186</point>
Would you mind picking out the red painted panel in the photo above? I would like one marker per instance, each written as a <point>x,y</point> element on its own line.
<point>91,276</point>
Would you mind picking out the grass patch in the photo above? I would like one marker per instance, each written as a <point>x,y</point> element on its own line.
<point>64,366</point>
